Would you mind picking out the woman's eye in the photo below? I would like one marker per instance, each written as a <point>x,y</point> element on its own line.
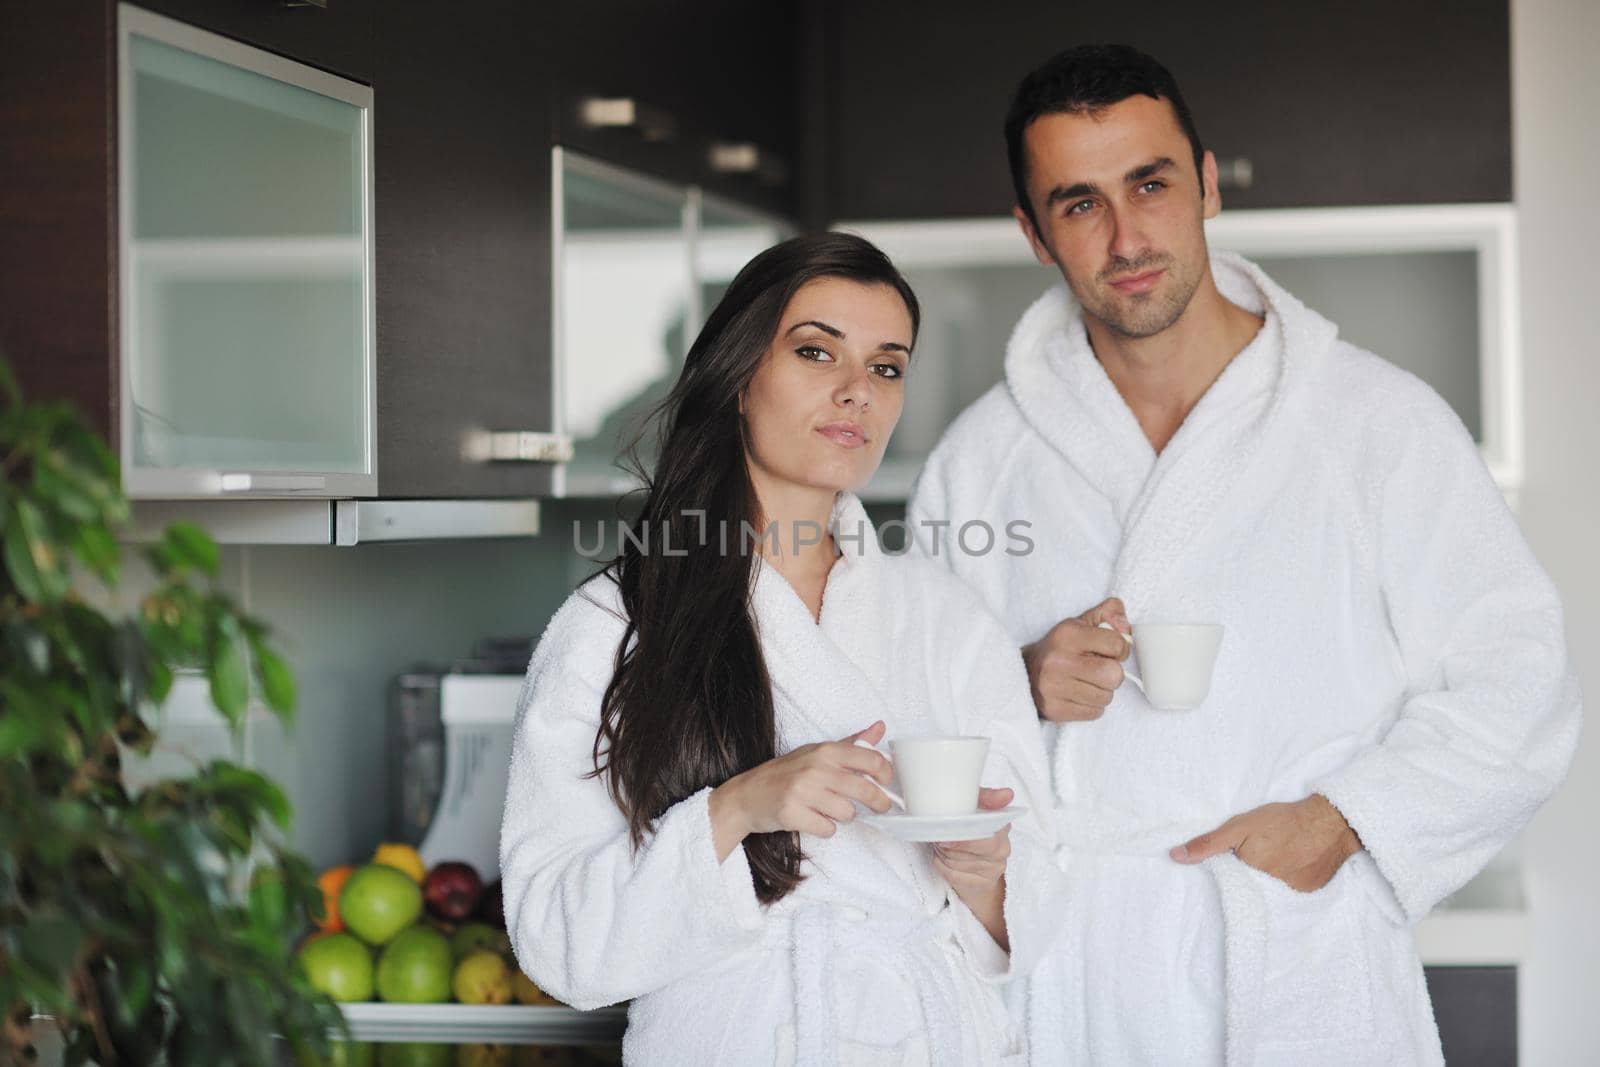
<point>813,353</point>
<point>887,370</point>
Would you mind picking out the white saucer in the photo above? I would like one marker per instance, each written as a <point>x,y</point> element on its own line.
<point>974,827</point>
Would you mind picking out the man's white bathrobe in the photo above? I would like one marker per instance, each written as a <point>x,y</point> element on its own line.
<point>872,959</point>
<point>1389,642</point>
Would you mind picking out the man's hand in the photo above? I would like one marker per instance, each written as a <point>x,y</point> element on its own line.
<point>1074,669</point>
<point>1301,844</point>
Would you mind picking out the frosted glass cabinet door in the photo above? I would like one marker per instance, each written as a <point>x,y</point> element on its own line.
<point>246,270</point>
<point>625,312</point>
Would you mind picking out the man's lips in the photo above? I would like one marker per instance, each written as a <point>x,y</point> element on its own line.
<point>844,434</point>
<point>1137,283</point>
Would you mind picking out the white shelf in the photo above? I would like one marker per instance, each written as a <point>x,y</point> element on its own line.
<point>485,1024</point>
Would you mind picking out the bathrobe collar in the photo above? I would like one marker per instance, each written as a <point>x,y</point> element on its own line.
<point>833,672</point>
<point>1162,502</point>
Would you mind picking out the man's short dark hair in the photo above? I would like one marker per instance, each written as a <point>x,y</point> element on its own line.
<point>1085,80</point>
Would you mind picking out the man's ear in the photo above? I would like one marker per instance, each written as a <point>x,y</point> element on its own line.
<point>1212,196</point>
<point>1041,251</point>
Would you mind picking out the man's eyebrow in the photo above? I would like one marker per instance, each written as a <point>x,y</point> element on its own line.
<point>832,331</point>
<point>1071,192</point>
<point>1139,174</point>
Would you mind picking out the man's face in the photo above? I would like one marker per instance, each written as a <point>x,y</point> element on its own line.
<point>1120,211</point>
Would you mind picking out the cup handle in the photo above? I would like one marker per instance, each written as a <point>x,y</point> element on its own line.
<point>894,797</point>
<point>1126,673</point>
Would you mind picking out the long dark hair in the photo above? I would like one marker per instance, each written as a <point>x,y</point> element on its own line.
<point>690,702</point>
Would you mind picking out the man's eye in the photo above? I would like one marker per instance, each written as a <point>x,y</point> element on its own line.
<point>1080,207</point>
<point>888,370</point>
<point>813,353</point>
<point>1151,186</point>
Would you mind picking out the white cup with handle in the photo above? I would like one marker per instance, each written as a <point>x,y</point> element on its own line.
<point>1175,661</point>
<point>939,773</point>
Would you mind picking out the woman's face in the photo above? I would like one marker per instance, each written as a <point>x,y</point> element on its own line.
<point>825,399</point>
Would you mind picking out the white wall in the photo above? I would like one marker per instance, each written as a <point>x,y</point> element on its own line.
<point>1556,125</point>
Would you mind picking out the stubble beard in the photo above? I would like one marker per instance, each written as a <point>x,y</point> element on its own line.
<point>1146,314</point>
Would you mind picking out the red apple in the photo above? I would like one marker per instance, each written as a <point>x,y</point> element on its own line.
<point>451,890</point>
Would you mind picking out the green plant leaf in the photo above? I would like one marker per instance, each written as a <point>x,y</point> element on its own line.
<point>190,545</point>
<point>35,564</point>
<point>94,545</point>
<point>277,682</point>
<point>230,685</point>
<point>55,484</point>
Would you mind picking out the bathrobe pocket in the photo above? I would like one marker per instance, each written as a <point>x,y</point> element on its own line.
<point>1317,984</point>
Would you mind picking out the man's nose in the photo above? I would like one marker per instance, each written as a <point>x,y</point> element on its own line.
<point>1127,237</point>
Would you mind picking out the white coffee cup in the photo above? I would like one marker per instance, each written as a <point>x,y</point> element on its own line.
<point>939,774</point>
<point>1175,662</point>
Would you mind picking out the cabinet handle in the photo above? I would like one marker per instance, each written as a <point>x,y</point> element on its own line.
<point>304,3</point>
<point>1235,173</point>
<point>518,446</point>
<point>276,483</point>
<point>742,157</point>
<point>625,113</point>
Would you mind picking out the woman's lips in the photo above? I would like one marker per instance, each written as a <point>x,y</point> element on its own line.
<point>1139,283</point>
<point>844,434</point>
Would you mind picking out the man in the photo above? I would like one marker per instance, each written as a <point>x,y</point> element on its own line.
<point>1392,699</point>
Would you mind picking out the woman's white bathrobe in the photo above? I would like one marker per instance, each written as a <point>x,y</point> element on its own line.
<point>872,959</point>
<point>1390,642</point>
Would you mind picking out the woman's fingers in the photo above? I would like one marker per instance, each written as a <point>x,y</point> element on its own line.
<point>860,789</point>
<point>853,757</point>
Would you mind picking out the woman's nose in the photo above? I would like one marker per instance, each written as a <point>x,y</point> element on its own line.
<point>855,389</point>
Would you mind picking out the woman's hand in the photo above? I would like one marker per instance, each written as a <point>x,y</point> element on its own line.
<point>976,870</point>
<point>809,790</point>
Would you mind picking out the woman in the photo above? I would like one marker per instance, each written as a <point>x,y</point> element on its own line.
<point>679,825</point>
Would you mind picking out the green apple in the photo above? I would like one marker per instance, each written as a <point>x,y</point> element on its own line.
<point>338,965</point>
<point>377,902</point>
<point>415,967</point>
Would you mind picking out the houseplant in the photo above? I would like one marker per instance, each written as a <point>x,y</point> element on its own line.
<point>151,927</point>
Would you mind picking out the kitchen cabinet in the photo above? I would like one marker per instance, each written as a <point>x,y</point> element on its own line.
<point>335,35</point>
<point>463,248</point>
<point>189,226</point>
<point>639,263</point>
<point>1360,103</point>
<point>699,78</point>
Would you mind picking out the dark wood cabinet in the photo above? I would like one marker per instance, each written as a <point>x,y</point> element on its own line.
<point>336,37</point>
<point>1356,103</point>
<point>1476,1009</point>
<point>463,245</point>
<point>58,222</point>
<point>701,73</point>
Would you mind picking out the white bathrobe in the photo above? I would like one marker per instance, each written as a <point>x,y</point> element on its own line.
<point>1390,642</point>
<point>872,959</point>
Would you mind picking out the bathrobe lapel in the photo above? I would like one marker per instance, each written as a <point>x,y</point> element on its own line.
<point>827,693</point>
<point>1162,502</point>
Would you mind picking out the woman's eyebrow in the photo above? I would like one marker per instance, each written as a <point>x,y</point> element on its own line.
<point>833,331</point>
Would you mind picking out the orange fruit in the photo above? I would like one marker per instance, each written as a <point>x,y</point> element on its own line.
<point>401,858</point>
<point>331,881</point>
